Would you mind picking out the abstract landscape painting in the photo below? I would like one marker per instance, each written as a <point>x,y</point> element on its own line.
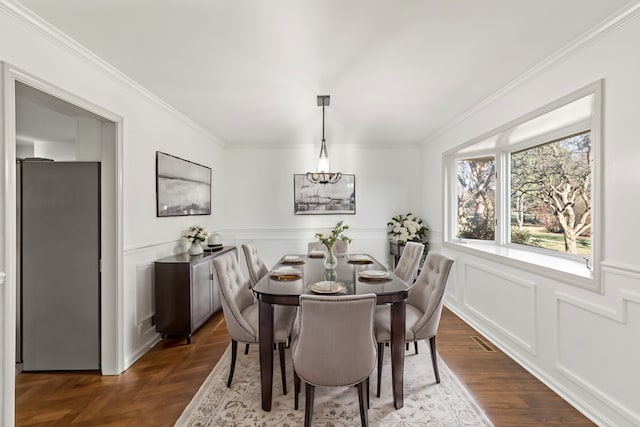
<point>182,187</point>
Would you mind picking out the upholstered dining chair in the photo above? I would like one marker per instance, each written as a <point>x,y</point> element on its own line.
<point>326,354</point>
<point>339,247</point>
<point>315,247</point>
<point>409,261</point>
<point>424,308</point>
<point>241,312</point>
<point>255,265</point>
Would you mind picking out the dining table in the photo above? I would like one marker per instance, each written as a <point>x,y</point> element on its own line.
<point>295,275</point>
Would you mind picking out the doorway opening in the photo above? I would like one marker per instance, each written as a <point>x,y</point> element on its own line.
<point>42,120</point>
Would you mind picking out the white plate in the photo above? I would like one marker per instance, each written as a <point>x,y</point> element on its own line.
<point>374,274</point>
<point>327,287</point>
<point>285,271</point>
<point>316,254</point>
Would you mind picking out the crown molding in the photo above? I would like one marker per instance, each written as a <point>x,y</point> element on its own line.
<point>27,17</point>
<point>609,24</point>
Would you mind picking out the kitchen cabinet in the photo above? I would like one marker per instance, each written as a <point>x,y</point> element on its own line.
<point>187,292</point>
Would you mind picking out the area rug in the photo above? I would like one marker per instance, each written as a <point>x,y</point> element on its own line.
<point>425,402</point>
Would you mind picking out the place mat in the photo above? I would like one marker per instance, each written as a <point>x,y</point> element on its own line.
<point>285,277</point>
<point>359,259</point>
<point>285,274</point>
<point>373,274</point>
<point>290,259</point>
<point>376,280</point>
<point>363,261</point>
<point>327,287</point>
<point>316,254</point>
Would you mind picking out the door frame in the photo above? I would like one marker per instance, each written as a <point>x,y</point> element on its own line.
<point>111,298</point>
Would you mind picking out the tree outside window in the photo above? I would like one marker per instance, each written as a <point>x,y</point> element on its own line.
<point>476,198</point>
<point>551,195</point>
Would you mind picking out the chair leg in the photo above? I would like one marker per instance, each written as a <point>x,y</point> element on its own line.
<point>246,349</point>
<point>296,389</point>
<point>234,353</point>
<point>434,361</point>
<point>282,370</point>
<point>368,395</point>
<point>415,345</point>
<point>406,346</point>
<point>308,407</point>
<point>364,416</point>
<point>380,358</point>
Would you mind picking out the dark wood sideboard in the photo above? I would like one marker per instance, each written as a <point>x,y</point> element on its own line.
<point>187,293</point>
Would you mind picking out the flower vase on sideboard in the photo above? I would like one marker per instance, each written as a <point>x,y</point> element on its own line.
<point>195,248</point>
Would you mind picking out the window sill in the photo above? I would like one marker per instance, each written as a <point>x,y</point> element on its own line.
<point>561,269</point>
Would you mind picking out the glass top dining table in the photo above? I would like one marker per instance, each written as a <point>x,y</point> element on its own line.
<point>284,287</point>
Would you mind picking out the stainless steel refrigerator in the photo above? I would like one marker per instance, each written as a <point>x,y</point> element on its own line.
<point>59,265</point>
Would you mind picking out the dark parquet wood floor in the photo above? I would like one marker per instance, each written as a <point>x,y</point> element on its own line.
<point>156,389</point>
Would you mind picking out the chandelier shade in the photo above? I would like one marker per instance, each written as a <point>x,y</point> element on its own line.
<point>323,174</point>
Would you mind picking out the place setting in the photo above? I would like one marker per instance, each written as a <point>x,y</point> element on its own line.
<point>292,259</point>
<point>316,254</point>
<point>327,287</point>
<point>359,259</point>
<point>285,274</point>
<point>374,276</point>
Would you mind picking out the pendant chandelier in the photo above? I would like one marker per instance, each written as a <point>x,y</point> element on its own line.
<point>323,173</point>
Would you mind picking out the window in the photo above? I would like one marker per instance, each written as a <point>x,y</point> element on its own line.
<point>551,195</point>
<point>531,187</point>
<point>476,198</point>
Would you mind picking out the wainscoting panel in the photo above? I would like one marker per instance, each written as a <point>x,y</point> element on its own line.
<point>139,309</point>
<point>505,302</point>
<point>145,301</point>
<point>605,332</point>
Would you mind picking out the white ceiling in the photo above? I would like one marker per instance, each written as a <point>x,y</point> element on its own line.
<point>397,71</point>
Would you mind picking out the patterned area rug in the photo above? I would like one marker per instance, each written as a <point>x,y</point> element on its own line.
<point>425,402</point>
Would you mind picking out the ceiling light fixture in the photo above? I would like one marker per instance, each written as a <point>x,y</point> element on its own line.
<point>323,173</point>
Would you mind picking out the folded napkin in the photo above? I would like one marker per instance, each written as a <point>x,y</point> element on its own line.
<point>316,254</point>
<point>285,273</point>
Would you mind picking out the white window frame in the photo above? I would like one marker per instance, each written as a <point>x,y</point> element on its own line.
<point>568,268</point>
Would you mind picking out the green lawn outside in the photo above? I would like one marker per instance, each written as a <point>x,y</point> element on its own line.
<point>555,241</point>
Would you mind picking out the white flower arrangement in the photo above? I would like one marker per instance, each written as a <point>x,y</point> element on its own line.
<point>195,233</point>
<point>336,234</point>
<point>404,228</point>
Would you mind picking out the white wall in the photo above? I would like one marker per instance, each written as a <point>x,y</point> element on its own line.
<point>583,344</point>
<point>258,196</point>
<point>147,126</point>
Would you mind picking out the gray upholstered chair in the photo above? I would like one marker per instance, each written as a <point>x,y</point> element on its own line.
<point>255,265</point>
<point>409,261</point>
<point>315,247</point>
<point>424,308</point>
<point>241,312</point>
<point>326,354</point>
<point>340,247</point>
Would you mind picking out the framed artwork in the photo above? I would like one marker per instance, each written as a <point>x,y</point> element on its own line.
<point>324,199</point>
<point>182,187</point>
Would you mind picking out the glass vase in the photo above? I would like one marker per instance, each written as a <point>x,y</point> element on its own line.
<point>330,261</point>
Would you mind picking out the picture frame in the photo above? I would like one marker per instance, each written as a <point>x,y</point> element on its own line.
<point>183,187</point>
<point>324,199</point>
